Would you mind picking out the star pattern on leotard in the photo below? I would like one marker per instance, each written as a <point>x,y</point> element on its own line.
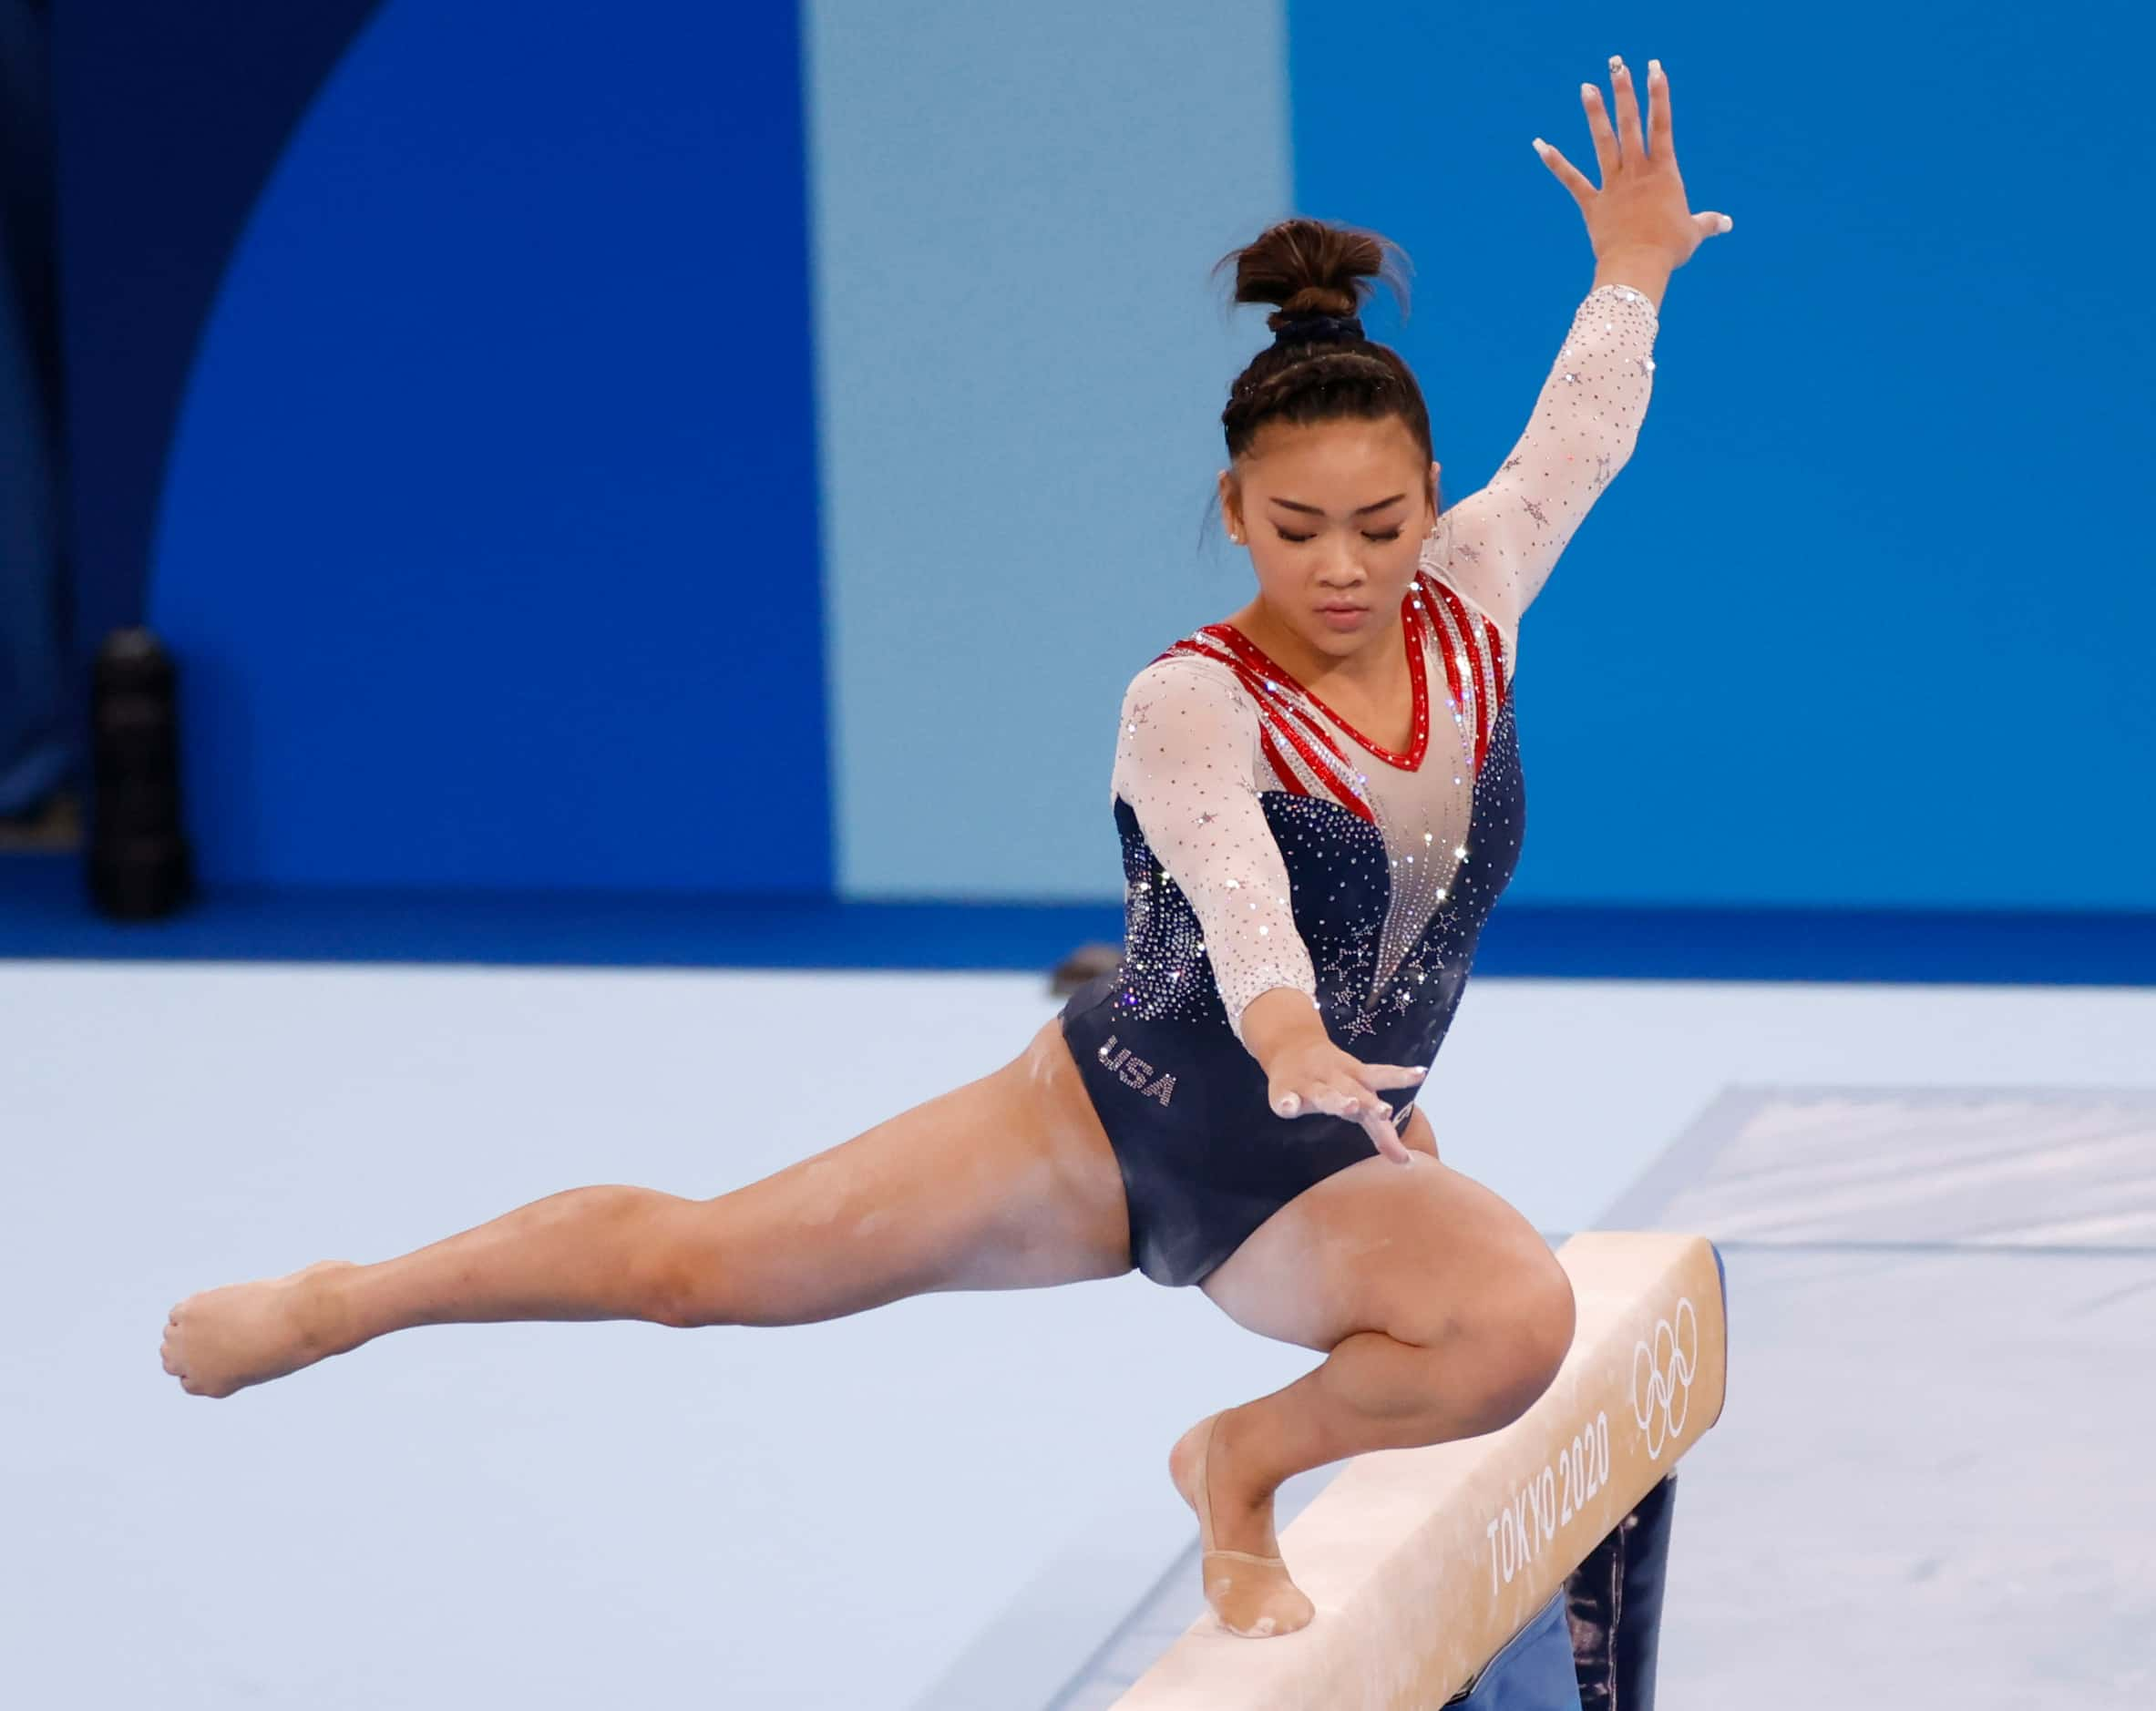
<point>1359,1025</point>
<point>1535,511</point>
<point>1349,955</point>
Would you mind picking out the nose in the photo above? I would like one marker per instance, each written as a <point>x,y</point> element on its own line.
<point>1341,568</point>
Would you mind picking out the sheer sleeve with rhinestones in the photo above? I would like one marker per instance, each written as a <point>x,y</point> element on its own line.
<point>1500,545</point>
<point>1187,762</point>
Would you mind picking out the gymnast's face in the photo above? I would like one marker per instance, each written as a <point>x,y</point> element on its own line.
<point>1334,515</point>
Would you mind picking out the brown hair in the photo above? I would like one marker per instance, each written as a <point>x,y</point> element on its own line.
<point>1310,267</point>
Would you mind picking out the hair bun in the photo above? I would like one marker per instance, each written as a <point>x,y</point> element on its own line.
<point>1320,367</point>
<point>1311,267</point>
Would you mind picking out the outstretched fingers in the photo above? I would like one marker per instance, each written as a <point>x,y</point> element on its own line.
<point>1640,202</point>
<point>1356,1095</point>
<point>1619,143</point>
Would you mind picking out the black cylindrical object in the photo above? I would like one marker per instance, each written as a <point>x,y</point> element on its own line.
<point>1614,1606</point>
<point>139,865</point>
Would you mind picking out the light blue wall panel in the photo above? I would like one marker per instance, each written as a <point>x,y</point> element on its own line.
<point>1022,362</point>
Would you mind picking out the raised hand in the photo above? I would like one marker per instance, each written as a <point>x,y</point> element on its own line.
<point>1640,208</point>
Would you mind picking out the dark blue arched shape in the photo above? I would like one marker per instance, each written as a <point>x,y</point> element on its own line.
<point>168,121</point>
<point>489,537</point>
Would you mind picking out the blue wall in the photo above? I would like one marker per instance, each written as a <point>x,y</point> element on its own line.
<point>1867,618</point>
<point>489,534</point>
<point>499,558</point>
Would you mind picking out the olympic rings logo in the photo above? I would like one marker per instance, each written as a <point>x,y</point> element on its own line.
<point>1662,1376</point>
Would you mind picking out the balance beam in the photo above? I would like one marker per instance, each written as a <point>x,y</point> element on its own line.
<point>1424,1562</point>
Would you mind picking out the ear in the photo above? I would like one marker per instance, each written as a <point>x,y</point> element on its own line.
<point>1435,488</point>
<point>1231,503</point>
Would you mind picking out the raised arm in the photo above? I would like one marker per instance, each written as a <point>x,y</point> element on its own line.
<point>1186,762</point>
<point>1498,546</point>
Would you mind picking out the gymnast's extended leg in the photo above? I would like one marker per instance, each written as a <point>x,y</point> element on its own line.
<point>1443,1312</point>
<point>1006,1182</point>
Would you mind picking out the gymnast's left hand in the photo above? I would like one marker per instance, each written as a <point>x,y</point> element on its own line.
<point>1318,1077</point>
<point>1640,209</point>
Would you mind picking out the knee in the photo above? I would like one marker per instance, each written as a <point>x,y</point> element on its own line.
<point>675,1281</point>
<point>670,1300</point>
<point>1520,1343</point>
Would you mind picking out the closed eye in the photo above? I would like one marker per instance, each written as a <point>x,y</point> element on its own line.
<point>1390,535</point>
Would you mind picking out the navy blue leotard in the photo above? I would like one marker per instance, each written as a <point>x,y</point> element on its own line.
<point>1266,843</point>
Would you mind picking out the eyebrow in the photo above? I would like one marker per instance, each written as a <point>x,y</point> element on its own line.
<point>1364,511</point>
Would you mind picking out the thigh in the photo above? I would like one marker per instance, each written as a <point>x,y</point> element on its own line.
<point>1419,1252</point>
<point>1007,1183</point>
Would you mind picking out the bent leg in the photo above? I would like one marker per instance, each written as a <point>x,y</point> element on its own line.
<point>1444,1315</point>
<point>1005,1182</point>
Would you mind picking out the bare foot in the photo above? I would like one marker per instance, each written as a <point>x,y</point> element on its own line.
<point>1246,1583</point>
<point>223,1341</point>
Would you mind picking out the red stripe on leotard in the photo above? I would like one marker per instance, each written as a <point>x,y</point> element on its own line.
<point>1464,622</point>
<point>1441,637</point>
<point>1254,685</point>
<point>1257,660</point>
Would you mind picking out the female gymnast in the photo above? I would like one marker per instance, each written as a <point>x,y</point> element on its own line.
<point>1319,800</point>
